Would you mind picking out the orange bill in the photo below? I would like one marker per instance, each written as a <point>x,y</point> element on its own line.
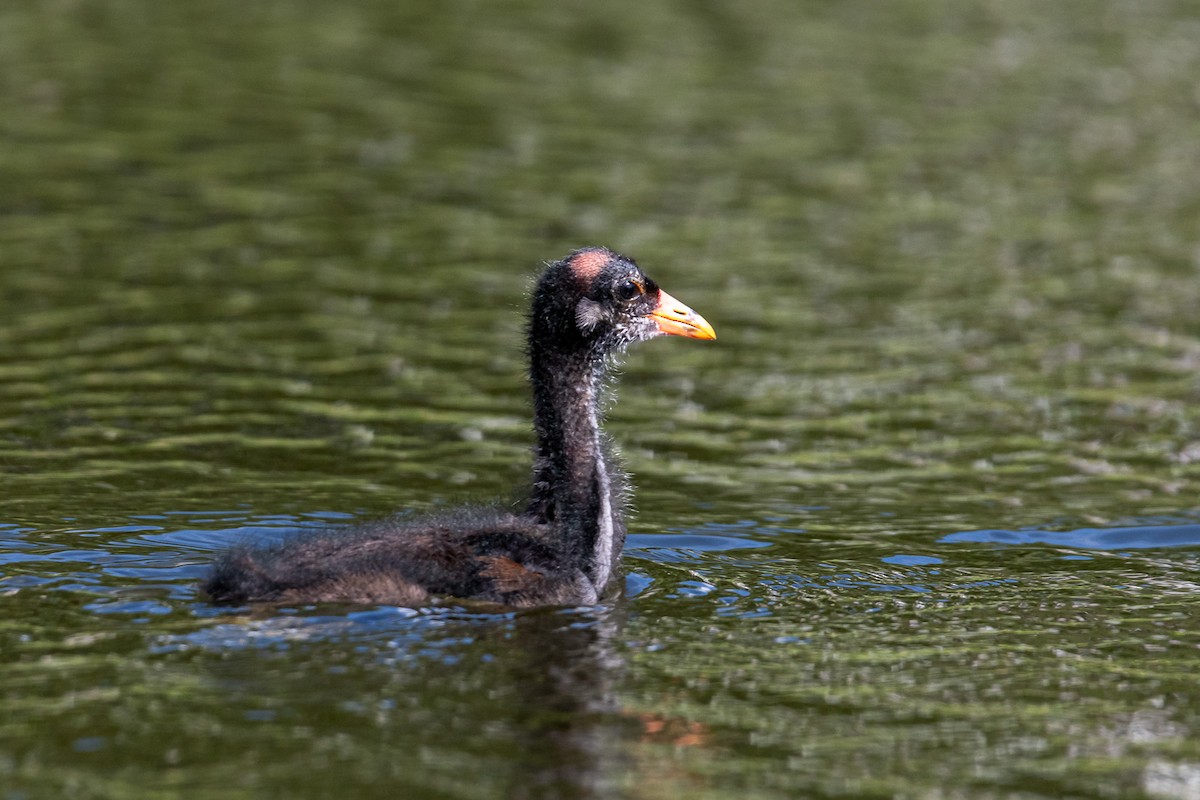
<point>673,317</point>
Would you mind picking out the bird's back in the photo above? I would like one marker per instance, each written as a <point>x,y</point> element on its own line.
<point>484,555</point>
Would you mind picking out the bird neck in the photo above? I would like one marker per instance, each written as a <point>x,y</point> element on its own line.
<point>572,481</point>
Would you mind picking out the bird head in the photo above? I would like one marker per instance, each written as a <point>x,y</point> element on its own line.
<point>609,303</point>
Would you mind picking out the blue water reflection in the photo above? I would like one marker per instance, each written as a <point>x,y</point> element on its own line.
<point>1136,537</point>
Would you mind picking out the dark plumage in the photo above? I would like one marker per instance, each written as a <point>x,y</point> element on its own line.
<point>565,546</point>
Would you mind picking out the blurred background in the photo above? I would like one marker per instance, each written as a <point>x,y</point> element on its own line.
<point>921,523</point>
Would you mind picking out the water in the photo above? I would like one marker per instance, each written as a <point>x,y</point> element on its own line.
<point>921,523</point>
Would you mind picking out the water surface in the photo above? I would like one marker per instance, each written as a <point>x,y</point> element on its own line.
<point>923,522</point>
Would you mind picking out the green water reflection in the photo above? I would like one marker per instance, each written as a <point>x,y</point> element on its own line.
<point>263,265</point>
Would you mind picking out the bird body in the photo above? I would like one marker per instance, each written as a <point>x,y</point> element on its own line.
<point>565,546</point>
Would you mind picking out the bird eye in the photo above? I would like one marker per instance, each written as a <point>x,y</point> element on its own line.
<point>628,289</point>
